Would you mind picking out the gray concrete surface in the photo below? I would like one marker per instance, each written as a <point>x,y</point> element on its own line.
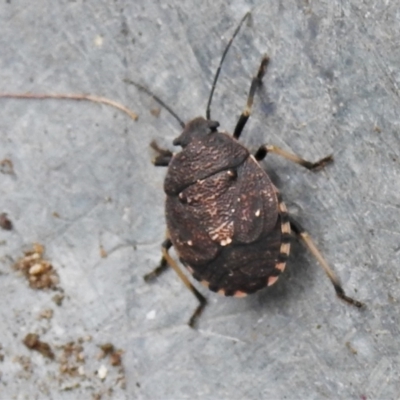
<point>83,181</point>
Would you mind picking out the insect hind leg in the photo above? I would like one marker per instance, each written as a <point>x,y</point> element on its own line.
<point>303,235</point>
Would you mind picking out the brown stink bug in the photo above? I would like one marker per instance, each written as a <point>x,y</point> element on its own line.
<point>225,218</point>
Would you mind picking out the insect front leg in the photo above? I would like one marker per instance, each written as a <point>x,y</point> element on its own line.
<point>255,84</point>
<point>262,152</point>
<point>164,155</point>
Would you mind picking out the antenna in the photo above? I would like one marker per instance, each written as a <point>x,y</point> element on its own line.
<point>157,99</point>
<point>208,112</point>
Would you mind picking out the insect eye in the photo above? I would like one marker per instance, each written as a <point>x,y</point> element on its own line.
<point>213,125</point>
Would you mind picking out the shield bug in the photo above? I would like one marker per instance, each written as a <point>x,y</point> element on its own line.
<point>225,218</point>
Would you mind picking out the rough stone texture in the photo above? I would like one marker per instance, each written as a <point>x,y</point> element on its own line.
<point>332,87</point>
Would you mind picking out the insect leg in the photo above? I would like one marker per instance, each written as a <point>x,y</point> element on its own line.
<point>255,84</point>
<point>157,271</point>
<point>303,235</point>
<point>164,155</point>
<point>262,152</point>
<point>167,261</point>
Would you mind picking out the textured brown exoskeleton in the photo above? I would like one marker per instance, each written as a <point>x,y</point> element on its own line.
<point>225,218</point>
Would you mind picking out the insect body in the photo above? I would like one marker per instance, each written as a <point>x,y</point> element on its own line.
<point>225,218</point>
<point>223,213</point>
